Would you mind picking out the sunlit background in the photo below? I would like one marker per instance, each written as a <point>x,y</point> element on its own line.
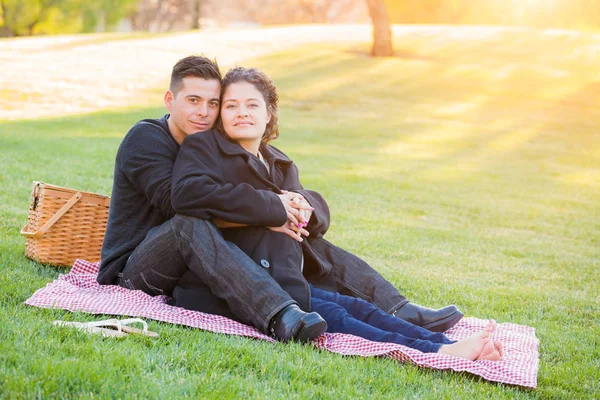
<point>35,17</point>
<point>547,45</point>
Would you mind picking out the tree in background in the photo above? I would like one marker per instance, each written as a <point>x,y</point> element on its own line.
<point>153,15</point>
<point>33,17</point>
<point>382,31</point>
<point>166,15</point>
<point>267,12</point>
<point>29,17</point>
<point>104,15</point>
<point>196,13</point>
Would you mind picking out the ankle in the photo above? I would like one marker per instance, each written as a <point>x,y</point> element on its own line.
<point>277,317</point>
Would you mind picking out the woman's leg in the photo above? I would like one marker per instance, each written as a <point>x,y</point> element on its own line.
<point>340,321</point>
<point>371,315</point>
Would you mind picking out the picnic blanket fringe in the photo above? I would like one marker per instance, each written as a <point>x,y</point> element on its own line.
<point>79,291</point>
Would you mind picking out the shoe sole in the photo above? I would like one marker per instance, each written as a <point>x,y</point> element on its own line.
<point>446,323</point>
<point>313,326</point>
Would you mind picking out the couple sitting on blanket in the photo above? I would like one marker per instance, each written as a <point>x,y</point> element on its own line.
<point>218,220</point>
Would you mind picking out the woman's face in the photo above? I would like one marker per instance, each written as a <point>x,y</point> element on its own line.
<point>244,113</point>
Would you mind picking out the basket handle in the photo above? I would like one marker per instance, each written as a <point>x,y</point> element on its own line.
<point>54,218</point>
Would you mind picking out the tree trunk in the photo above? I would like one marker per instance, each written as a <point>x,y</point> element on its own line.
<point>382,32</point>
<point>6,32</point>
<point>196,13</point>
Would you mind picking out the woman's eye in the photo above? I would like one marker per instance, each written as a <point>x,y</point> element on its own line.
<point>253,105</point>
<point>230,106</point>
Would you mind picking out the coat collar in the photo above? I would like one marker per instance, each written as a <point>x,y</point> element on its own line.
<point>271,154</point>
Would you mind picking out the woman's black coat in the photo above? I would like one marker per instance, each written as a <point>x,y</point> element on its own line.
<point>216,178</point>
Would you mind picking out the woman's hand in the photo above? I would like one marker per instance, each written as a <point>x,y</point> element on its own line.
<point>306,210</point>
<point>290,229</point>
<point>297,208</point>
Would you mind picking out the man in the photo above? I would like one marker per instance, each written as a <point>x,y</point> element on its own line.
<point>149,247</point>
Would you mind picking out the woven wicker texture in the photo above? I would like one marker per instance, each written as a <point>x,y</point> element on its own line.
<point>65,225</point>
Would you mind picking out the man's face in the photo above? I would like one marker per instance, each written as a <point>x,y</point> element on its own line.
<point>194,108</point>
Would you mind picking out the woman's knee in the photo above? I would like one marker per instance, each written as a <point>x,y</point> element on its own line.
<point>331,312</point>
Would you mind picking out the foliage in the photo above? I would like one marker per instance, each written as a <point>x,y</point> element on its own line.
<point>105,12</point>
<point>33,17</point>
<point>28,17</point>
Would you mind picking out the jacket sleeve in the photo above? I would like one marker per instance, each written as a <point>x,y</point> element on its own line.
<point>320,219</point>
<point>146,157</point>
<point>199,190</point>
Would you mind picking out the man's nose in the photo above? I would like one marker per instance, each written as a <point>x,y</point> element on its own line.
<point>202,109</point>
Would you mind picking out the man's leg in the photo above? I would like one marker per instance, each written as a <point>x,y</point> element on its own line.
<point>192,294</point>
<point>168,250</point>
<point>354,277</point>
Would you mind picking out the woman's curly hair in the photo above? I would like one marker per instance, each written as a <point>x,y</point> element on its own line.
<point>265,86</point>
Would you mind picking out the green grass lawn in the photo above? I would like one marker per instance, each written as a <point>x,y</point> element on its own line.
<point>465,171</point>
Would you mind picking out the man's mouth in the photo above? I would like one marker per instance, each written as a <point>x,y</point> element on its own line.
<point>200,124</point>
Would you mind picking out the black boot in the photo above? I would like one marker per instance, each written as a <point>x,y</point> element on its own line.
<point>292,323</point>
<point>439,320</point>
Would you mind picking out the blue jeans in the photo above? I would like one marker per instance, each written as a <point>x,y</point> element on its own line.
<point>345,314</point>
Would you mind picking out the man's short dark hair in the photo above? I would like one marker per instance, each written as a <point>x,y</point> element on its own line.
<point>198,66</point>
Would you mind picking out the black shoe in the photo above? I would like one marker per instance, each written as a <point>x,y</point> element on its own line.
<point>292,323</point>
<point>439,320</point>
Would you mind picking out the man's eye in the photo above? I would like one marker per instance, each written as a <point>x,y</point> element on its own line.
<point>214,104</point>
<point>193,101</point>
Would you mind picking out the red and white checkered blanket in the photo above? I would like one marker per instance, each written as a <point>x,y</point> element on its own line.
<point>79,291</point>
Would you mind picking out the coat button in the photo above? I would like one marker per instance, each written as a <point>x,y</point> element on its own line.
<point>265,263</point>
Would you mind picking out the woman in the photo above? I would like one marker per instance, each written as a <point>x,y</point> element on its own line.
<point>220,167</point>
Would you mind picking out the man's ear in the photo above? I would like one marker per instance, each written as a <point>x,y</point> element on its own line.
<point>169,97</point>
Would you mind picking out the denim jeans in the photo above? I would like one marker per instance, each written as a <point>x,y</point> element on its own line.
<point>183,243</point>
<point>346,314</point>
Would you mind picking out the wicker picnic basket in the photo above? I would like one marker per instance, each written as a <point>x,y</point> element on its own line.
<point>65,224</point>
